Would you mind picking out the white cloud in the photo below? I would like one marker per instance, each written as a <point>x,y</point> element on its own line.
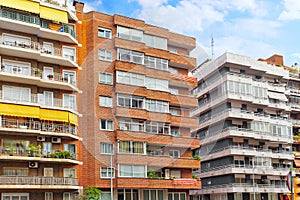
<point>291,10</point>
<point>90,6</point>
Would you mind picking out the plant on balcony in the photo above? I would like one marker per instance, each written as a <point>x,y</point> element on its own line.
<point>194,176</point>
<point>50,76</point>
<point>65,79</point>
<point>152,174</point>
<point>10,150</point>
<point>34,151</point>
<point>62,154</point>
<point>90,193</point>
<point>37,72</point>
<point>197,157</point>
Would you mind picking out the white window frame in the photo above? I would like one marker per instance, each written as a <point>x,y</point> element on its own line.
<point>17,39</point>
<point>107,55</point>
<point>131,147</point>
<point>69,172</point>
<point>22,89</point>
<point>179,193</point>
<point>106,124</point>
<point>68,56</point>
<point>130,34</point>
<point>132,171</point>
<point>106,147</point>
<point>70,75</point>
<point>48,195</point>
<point>107,172</point>
<point>15,194</point>
<point>131,56</point>
<point>108,78</point>
<point>48,50</point>
<point>10,66</point>
<point>68,104</point>
<point>172,153</point>
<point>105,101</point>
<point>68,196</point>
<point>105,31</point>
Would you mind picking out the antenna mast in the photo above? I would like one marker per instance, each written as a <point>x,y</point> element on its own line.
<point>212,47</point>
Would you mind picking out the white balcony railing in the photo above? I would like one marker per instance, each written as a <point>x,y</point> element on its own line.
<point>37,180</point>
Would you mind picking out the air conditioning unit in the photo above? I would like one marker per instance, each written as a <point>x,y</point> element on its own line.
<point>33,165</point>
<point>56,140</point>
<point>40,138</point>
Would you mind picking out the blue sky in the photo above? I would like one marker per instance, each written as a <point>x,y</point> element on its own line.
<point>255,28</point>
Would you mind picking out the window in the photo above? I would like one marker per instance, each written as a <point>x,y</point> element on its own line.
<point>132,170</point>
<point>104,32</point>
<point>105,101</point>
<point>106,148</point>
<point>153,194</point>
<point>105,55</point>
<point>107,172</point>
<point>16,40</point>
<point>106,124</point>
<point>48,172</point>
<point>69,101</point>
<point>69,77</point>
<point>131,56</point>
<point>157,106</point>
<point>155,41</point>
<point>47,48</point>
<point>130,78</point>
<point>15,196</point>
<point>129,101</point>
<point>130,34</point>
<point>174,111</point>
<point>157,127</point>
<point>66,196</point>
<point>173,70</point>
<point>128,124</point>
<point>16,93</point>
<point>132,147</point>
<point>69,172</point>
<point>176,196</point>
<point>48,195</point>
<point>69,53</point>
<point>174,153</point>
<point>174,91</point>
<point>157,84</point>
<point>175,132</point>
<point>105,78</point>
<point>105,196</point>
<point>8,171</point>
<point>16,67</point>
<point>128,194</point>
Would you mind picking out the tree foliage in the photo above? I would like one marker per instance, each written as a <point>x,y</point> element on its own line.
<point>91,193</point>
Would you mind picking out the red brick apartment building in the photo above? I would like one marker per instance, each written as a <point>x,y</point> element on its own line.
<point>136,108</point>
<point>39,138</point>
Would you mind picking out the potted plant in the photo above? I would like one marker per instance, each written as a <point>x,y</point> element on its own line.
<point>152,174</point>
<point>197,157</point>
<point>50,76</point>
<point>37,72</point>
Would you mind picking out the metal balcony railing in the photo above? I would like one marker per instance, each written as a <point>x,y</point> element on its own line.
<point>39,126</point>
<point>20,17</point>
<point>37,180</point>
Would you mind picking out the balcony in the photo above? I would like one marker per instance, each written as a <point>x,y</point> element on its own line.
<point>242,188</point>
<point>243,132</point>
<point>39,127</point>
<point>27,75</point>
<point>30,24</point>
<point>158,183</point>
<point>35,50</point>
<point>160,161</point>
<point>34,153</point>
<point>243,169</point>
<point>159,139</point>
<point>250,151</point>
<point>37,182</point>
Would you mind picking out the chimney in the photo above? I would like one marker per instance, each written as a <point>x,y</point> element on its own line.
<point>78,6</point>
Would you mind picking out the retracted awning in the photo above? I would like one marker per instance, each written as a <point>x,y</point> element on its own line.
<point>26,5</point>
<point>19,110</point>
<point>279,96</point>
<point>53,14</point>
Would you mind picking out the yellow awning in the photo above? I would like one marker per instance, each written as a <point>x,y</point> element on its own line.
<point>19,111</point>
<point>54,115</point>
<point>53,14</point>
<point>26,5</point>
<point>73,119</point>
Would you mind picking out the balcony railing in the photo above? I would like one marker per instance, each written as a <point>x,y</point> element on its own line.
<point>35,72</point>
<point>37,152</point>
<point>37,21</point>
<point>39,100</point>
<point>283,185</point>
<point>37,180</point>
<point>39,126</point>
<point>37,47</point>
<point>20,17</point>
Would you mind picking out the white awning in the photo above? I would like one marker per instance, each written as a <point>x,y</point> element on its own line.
<point>279,96</point>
